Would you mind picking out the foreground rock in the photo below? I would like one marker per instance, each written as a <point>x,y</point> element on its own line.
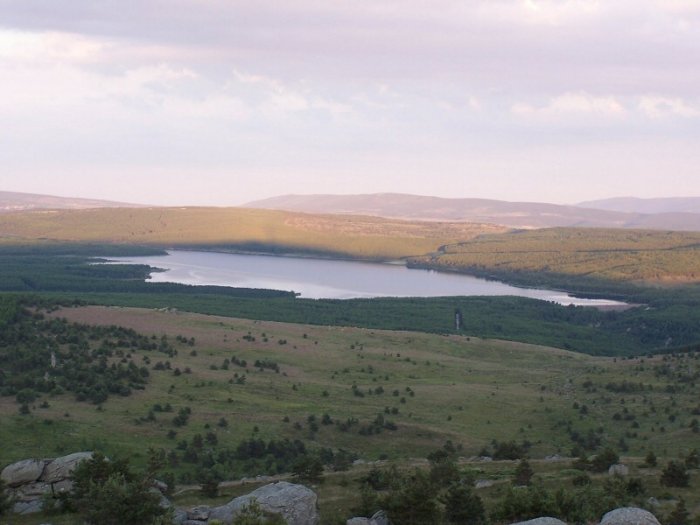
<point>629,516</point>
<point>378,518</point>
<point>23,472</point>
<point>541,521</point>
<point>30,480</point>
<point>295,503</point>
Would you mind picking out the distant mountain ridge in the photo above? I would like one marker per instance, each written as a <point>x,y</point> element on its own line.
<point>511,214</point>
<point>15,201</point>
<point>647,206</point>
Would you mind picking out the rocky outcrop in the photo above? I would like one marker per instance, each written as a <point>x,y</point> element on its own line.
<point>61,468</point>
<point>378,518</point>
<point>295,503</point>
<point>618,470</point>
<point>623,516</point>
<point>541,521</point>
<point>629,516</point>
<point>30,480</point>
<point>23,472</point>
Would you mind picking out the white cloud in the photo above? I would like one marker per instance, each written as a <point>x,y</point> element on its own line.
<point>51,47</point>
<point>660,107</point>
<point>572,105</point>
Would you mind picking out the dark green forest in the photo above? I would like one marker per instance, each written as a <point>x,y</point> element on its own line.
<point>668,318</point>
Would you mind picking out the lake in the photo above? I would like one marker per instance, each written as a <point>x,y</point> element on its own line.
<point>332,279</point>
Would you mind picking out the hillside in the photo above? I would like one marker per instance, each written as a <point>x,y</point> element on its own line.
<point>603,254</point>
<point>491,389</point>
<point>671,205</point>
<point>245,398</point>
<point>511,214</point>
<point>13,201</point>
<point>243,229</point>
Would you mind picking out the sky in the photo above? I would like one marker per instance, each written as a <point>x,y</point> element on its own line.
<point>221,102</point>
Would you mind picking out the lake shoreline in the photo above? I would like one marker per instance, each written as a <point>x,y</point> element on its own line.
<point>620,306</point>
<point>315,277</point>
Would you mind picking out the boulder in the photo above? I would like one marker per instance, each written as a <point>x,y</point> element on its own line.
<point>179,516</point>
<point>295,503</point>
<point>25,471</point>
<point>378,518</point>
<point>483,483</point>
<point>62,486</point>
<point>32,491</point>
<point>618,470</point>
<point>28,507</point>
<point>61,468</point>
<point>629,516</point>
<point>541,521</point>
<point>200,513</point>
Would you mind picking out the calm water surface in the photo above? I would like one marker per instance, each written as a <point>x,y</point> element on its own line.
<point>330,279</point>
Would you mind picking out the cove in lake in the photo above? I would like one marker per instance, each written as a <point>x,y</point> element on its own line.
<point>332,279</point>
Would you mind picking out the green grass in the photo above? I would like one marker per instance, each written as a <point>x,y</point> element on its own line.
<point>467,390</point>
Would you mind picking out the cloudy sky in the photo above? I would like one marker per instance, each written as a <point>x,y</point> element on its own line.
<point>225,101</point>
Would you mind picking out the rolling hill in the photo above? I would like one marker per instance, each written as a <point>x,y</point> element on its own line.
<point>671,205</point>
<point>13,201</point>
<point>240,229</point>
<point>528,215</point>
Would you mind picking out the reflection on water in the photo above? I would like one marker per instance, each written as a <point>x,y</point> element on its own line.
<point>330,279</point>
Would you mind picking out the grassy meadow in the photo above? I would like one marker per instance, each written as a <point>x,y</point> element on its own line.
<point>433,388</point>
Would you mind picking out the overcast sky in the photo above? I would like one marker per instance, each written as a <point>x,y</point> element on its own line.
<point>222,101</point>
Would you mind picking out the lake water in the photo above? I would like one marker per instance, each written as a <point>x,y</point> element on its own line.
<point>331,279</point>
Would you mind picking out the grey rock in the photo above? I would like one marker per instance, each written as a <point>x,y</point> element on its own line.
<point>25,471</point>
<point>629,516</point>
<point>618,470</point>
<point>61,468</point>
<point>541,521</point>
<point>483,483</point>
<point>28,507</point>
<point>62,486</point>
<point>295,503</point>
<point>200,513</point>
<point>653,502</point>
<point>179,516</point>
<point>31,491</point>
<point>160,485</point>
<point>554,457</point>
<point>379,518</point>
<point>226,513</point>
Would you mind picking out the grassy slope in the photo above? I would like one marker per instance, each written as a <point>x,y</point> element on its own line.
<point>467,390</point>
<point>265,230</point>
<point>632,256</point>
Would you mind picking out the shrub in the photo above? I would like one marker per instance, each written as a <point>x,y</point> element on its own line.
<point>5,502</point>
<point>604,460</point>
<point>308,469</point>
<point>463,506</point>
<point>110,493</point>
<point>675,475</point>
<point>523,473</point>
